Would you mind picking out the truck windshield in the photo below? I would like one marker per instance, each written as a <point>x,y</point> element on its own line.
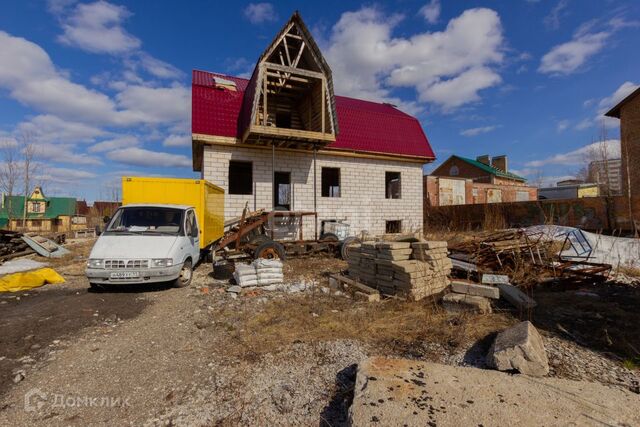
<point>146,220</point>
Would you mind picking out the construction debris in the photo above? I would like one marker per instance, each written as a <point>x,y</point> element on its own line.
<point>519,348</point>
<point>12,245</point>
<point>45,247</point>
<point>470,288</point>
<point>413,270</point>
<point>461,302</point>
<point>516,297</point>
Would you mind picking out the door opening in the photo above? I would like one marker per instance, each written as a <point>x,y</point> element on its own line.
<point>282,190</point>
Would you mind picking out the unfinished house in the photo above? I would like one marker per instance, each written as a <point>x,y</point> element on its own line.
<point>462,181</point>
<point>282,140</point>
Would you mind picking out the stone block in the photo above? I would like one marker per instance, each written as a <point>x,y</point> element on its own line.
<point>519,348</point>
<point>463,302</point>
<point>475,289</point>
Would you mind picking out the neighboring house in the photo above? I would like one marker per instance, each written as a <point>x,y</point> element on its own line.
<point>44,214</point>
<point>608,174</point>
<point>82,208</point>
<point>569,191</point>
<point>628,111</point>
<point>459,180</point>
<point>283,140</point>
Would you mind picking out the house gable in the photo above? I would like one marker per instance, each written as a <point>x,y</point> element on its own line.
<point>289,100</point>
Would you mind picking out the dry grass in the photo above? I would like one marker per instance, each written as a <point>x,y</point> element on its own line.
<point>391,327</point>
<point>629,271</point>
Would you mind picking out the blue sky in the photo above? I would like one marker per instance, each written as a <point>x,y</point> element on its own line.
<point>103,88</point>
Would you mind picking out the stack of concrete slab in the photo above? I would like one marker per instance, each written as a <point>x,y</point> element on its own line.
<point>469,296</point>
<point>413,270</point>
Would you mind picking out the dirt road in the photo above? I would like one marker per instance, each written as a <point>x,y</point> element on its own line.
<point>203,356</point>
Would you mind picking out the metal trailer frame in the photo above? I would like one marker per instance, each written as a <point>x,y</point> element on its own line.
<point>241,229</point>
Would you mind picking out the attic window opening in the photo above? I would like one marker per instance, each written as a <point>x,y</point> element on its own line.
<point>454,171</point>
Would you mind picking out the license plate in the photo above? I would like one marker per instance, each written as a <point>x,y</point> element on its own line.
<point>125,275</point>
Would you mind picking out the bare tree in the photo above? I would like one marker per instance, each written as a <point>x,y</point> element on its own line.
<point>28,151</point>
<point>9,172</point>
<point>597,166</point>
<point>538,179</point>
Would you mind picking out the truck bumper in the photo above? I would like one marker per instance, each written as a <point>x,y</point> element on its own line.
<point>147,275</point>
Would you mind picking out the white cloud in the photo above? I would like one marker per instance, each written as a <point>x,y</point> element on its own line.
<point>447,68</point>
<point>177,141</point>
<point>431,11</point>
<point>63,153</point>
<point>562,125</point>
<point>115,143</point>
<point>589,38</point>
<point>552,20</point>
<point>50,128</point>
<point>158,68</point>
<point>567,58</point>
<point>580,155</point>
<point>97,27</point>
<point>64,175</point>
<point>584,124</point>
<point>478,130</point>
<point>257,13</point>
<point>155,104</point>
<point>142,157</point>
<point>27,72</point>
<point>605,104</point>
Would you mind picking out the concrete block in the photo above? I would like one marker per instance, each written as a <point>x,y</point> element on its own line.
<point>474,289</point>
<point>519,348</point>
<point>462,302</point>
<point>516,297</point>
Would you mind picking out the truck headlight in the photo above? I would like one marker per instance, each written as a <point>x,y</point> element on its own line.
<point>95,263</point>
<point>162,262</point>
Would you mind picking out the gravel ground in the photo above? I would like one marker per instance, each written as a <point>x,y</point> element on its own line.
<point>166,356</point>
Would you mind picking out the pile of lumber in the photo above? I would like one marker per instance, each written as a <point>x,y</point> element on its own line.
<point>12,245</point>
<point>412,270</point>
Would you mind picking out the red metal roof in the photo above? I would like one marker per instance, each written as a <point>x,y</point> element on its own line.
<point>364,126</point>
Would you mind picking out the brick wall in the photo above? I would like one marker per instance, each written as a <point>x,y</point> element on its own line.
<point>476,192</point>
<point>362,202</point>
<point>630,145</point>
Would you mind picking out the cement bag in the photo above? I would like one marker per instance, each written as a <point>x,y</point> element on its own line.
<point>269,271</point>
<point>245,275</point>
<point>32,279</point>
<point>267,263</point>
<point>267,282</point>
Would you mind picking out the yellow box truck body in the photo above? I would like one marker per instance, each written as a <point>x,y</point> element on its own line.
<point>206,198</point>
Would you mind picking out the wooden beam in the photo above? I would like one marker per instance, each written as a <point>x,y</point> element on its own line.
<point>295,71</point>
<point>322,108</point>
<point>264,99</point>
<point>286,51</point>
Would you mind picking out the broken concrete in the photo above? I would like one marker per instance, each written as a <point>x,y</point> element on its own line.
<point>516,297</point>
<point>462,302</point>
<point>469,288</point>
<point>390,392</point>
<point>519,348</point>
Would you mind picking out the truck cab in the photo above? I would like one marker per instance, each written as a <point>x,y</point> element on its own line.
<point>147,243</point>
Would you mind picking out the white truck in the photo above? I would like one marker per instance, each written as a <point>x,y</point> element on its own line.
<point>157,242</point>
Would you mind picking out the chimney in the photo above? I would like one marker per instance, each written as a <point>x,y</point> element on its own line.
<point>500,162</point>
<point>484,159</point>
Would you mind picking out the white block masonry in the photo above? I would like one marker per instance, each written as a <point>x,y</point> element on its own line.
<point>362,202</point>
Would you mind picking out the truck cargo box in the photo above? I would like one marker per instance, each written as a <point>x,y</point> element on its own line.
<point>206,198</point>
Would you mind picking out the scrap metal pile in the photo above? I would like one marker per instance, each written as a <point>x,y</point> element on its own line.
<point>523,252</point>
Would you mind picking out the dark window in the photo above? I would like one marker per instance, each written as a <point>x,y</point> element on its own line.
<point>392,185</point>
<point>240,177</point>
<point>393,226</point>
<point>283,119</point>
<point>330,182</point>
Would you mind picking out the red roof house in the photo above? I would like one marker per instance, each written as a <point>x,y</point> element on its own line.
<point>282,139</point>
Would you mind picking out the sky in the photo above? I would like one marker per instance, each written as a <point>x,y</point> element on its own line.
<point>102,88</point>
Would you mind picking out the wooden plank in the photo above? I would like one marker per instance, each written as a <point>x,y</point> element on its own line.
<point>359,286</point>
<point>322,100</point>
<point>295,71</point>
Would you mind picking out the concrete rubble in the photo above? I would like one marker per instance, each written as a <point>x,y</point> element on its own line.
<point>462,302</point>
<point>469,288</point>
<point>414,270</point>
<point>414,393</point>
<point>519,348</point>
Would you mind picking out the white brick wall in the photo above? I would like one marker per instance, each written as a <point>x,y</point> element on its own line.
<point>362,201</point>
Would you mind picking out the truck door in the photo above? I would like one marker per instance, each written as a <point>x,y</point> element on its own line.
<point>193,234</point>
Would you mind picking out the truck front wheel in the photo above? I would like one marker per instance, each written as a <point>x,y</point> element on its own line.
<point>186,274</point>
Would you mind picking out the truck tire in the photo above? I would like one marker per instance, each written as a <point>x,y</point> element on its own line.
<point>330,237</point>
<point>259,239</point>
<point>270,250</point>
<point>186,274</point>
<point>345,246</point>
